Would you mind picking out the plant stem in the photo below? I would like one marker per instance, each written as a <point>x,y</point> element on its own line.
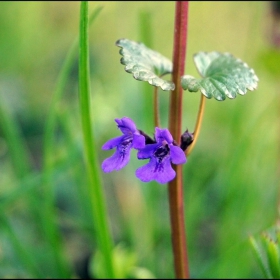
<point>96,195</point>
<point>50,225</point>
<point>175,187</point>
<point>156,108</point>
<point>198,124</point>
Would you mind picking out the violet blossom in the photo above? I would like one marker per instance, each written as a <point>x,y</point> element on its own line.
<point>131,138</point>
<point>161,155</point>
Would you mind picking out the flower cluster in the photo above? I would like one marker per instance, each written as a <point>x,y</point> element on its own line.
<point>161,152</point>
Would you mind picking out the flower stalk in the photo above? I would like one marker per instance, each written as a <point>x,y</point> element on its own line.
<point>198,124</point>
<point>175,187</point>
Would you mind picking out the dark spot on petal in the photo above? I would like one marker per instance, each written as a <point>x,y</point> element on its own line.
<point>161,153</point>
<point>158,167</point>
<point>125,145</point>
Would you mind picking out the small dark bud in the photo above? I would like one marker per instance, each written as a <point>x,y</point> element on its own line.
<point>148,139</point>
<point>186,140</point>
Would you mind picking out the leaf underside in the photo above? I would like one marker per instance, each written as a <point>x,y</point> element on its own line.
<point>223,76</point>
<point>145,64</point>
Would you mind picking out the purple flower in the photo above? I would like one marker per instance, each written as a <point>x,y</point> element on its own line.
<point>161,155</point>
<point>131,138</point>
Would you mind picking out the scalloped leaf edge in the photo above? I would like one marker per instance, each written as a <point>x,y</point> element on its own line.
<point>144,72</point>
<point>192,84</point>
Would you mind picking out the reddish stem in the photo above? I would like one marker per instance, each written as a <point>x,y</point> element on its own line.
<point>175,187</point>
<point>156,108</point>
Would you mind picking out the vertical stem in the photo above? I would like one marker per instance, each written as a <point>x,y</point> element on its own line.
<point>175,187</point>
<point>49,221</point>
<point>96,196</point>
<point>156,108</point>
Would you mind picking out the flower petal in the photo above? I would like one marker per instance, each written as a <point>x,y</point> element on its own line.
<point>147,152</point>
<point>126,125</point>
<point>116,162</point>
<point>166,174</point>
<point>177,155</point>
<point>110,144</point>
<point>163,134</point>
<point>152,171</point>
<point>138,141</point>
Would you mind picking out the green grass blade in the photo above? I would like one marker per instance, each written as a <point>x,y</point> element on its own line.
<point>95,191</point>
<point>51,230</point>
<point>28,185</point>
<point>16,145</point>
<point>259,258</point>
<point>273,258</point>
<point>22,253</point>
<point>60,86</point>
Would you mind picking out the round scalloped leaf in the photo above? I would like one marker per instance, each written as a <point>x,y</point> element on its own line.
<point>223,76</point>
<point>145,64</point>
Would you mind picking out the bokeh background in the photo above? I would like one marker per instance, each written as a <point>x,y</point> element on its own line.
<point>230,180</point>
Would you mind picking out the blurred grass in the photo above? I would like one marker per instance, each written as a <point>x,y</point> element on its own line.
<point>231,180</point>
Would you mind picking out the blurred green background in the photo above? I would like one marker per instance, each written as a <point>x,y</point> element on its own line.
<point>231,180</point>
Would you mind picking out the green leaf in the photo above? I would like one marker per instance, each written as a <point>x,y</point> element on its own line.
<point>125,264</point>
<point>272,252</point>
<point>223,76</point>
<point>262,263</point>
<point>145,64</point>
